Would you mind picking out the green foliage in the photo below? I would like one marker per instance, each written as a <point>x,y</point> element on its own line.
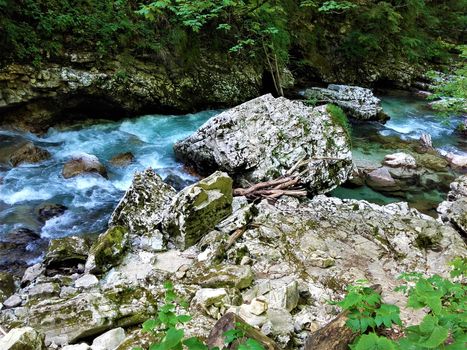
<point>338,116</point>
<point>169,336</point>
<point>452,88</point>
<point>443,327</point>
<point>366,310</point>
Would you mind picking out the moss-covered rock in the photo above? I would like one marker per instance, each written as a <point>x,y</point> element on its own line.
<point>66,251</point>
<point>7,285</point>
<point>108,250</point>
<point>197,209</point>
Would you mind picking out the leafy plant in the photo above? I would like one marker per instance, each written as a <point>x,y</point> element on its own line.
<point>338,116</point>
<point>166,328</point>
<point>443,327</point>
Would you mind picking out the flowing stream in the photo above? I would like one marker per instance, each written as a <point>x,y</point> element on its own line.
<point>90,199</point>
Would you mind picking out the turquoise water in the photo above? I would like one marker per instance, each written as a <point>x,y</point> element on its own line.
<point>410,117</point>
<point>90,198</point>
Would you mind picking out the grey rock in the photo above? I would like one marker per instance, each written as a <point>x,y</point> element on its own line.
<point>65,251</point>
<point>82,346</point>
<point>25,338</point>
<point>248,142</point>
<point>32,273</point>
<point>197,209</point>
<point>357,102</point>
<point>86,281</point>
<point>142,207</point>
<point>13,301</point>
<point>382,180</point>
<point>110,340</point>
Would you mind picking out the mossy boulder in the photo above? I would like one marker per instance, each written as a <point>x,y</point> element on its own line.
<point>66,252</point>
<point>7,285</point>
<point>198,209</point>
<point>108,250</point>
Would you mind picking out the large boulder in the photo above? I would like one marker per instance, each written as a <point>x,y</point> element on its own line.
<point>357,102</point>
<point>265,137</point>
<point>82,164</point>
<point>142,207</point>
<point>25,338</point>
<point>68,251</point>
<point>197,209</point>
<point>29,153</point>
<point>454,209</point>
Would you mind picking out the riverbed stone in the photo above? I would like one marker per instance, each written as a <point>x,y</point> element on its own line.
<point>264,138</point>
<point>357,102</point>
<point>25,338</point>
<point>46,211</point>
<point>83,164</point>
<point>400,160</point>
<point>122,159</point>
<point>142,207</point>
<point>29,153</point>
<point>197,209</point>
<point>382,180</point>
<point>108,250</point>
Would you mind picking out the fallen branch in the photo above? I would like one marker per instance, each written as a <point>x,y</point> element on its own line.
<point>236,235</point>
<point>250,190</point>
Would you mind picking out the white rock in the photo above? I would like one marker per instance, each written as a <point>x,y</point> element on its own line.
<point>25,338</point>
<point>400,159</point>
<point>86,281</point>
<point>13,301</point>
<point>109,340</point>
<point>206,297</point>
<point>82,346</point>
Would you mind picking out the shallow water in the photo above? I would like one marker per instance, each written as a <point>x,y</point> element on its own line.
<point>410,117</point>
<point>90,198</point>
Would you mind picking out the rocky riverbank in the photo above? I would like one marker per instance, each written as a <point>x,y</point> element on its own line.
<point>274,262</point>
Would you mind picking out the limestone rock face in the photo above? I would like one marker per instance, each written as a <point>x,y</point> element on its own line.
<point>29,153</point>
<point>454,210</point>
<point>85,163</point>
<point>142,207</point>
<point>197,209</point>
<point>263,138</point>
<point>357,102</point>
<point>25,338</point>
<point>54,93</point>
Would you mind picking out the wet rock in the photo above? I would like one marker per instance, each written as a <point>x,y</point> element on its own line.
<point>85,163</point>
<point>381,180</point>
<point>7,285</point>
<point>248,143</point>
<point>142,207</point>
<point>110,340</point>
<point>47,211</point>
<point>25,338</point>
<point>108,250</point>
<point>176,182</point>
<point>357,102</point>
<point>29,153</point>
<point>431,161</point>
<point>400,160</point>
<point>68,251</point>
<point>457,161</point>
<point>197,209</point>
<point>122,159</point>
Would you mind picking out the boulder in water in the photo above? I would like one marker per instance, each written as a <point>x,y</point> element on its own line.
<point>29,153</point>
<point>357,102</point>
<point>264,138</point>
<point>122,159</point>
<point>85,163</point>
<point>382,180</point>
<point>46,211</point>
<point>400,160</point>
<point>198,209</point>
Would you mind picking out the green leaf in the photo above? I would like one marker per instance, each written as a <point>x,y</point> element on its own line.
<point>194,344</point>
<point>173,337</point>
<point>149,325</point>
<point>184,318</point>
<point>372,341</point>
<point>232,335</point>
<point>438,336</point>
